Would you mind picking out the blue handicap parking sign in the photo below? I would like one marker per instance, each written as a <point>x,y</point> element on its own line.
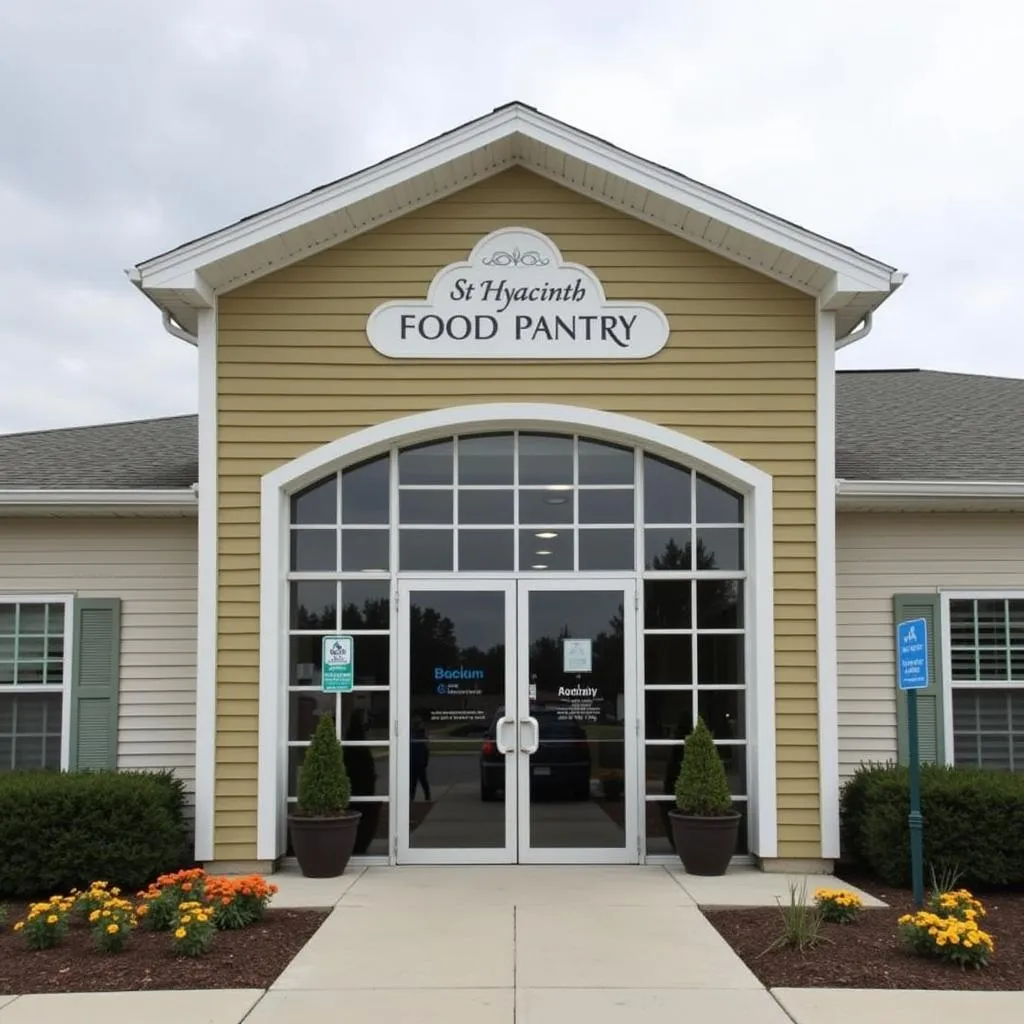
<point>912,654</point>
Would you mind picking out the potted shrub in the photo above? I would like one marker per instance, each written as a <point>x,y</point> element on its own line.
<point>704,825</point>
<point>322,827</point>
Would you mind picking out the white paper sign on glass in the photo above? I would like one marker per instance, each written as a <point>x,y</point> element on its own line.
<point>515,298</point>
<point>576,656</point>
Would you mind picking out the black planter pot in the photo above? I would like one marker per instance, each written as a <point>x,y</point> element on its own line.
<point>705,845</point>
<point>323,845</point>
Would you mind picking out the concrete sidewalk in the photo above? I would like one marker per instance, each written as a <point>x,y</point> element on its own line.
<point>520,945</point>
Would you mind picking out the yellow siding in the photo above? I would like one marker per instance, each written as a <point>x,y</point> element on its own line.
<point>295,371</point>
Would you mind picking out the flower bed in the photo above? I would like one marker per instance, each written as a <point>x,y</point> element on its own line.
<point>186,930</point>
<point>872,951</point>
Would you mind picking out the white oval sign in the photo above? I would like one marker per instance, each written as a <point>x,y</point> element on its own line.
<point>514,298</point>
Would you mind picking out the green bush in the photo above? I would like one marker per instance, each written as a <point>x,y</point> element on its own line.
<point>60,831</point>
<point>973,821</point>
<point>702,787</point>
<point>324,786</point>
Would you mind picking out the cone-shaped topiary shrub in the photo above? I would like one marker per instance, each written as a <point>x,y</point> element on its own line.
<point>324,786</point>
<point>702,789</point>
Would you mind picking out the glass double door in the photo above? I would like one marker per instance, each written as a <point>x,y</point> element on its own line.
<point>517,722</point>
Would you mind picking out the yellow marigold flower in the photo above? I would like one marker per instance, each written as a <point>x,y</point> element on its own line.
<point>52,919</point>
<point>180,933</point>
<point>19,925</point>
<point>186,919</point>
<point>106,913</point>
<point>92,917</point>
<point>112,929</point>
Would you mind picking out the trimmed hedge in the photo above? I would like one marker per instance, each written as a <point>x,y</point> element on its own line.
<point>973,822</point>
<point>64,830</point>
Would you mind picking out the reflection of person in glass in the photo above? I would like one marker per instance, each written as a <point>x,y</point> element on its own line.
<point>419,755</point>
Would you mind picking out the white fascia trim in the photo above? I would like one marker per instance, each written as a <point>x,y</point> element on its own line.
<point>276,486</point>
<point>930,488</point>
<point>859,273</point>
<point>206,623</point>
<point>165,498</point>
<point>868,274</point>
<point>828,680</point>
<point>161,270</point>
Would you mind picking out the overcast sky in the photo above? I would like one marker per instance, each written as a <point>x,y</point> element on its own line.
<point>895,127</point>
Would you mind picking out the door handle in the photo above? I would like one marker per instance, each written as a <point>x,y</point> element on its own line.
<point>533,725</point>
<point>499,741</point>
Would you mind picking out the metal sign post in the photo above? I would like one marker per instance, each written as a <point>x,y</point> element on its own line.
<point>912,648</point>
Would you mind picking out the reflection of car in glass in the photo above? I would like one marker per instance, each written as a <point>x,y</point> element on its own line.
<point>560,767</point>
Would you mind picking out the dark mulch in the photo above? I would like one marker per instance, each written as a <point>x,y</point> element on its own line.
<point>252,957</point>
<point>868,953</point>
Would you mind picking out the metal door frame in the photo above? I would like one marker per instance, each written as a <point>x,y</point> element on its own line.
<point>405,853</point>
<point>629,853</point>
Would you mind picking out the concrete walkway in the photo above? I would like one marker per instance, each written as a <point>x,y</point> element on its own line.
<point>520,945</point>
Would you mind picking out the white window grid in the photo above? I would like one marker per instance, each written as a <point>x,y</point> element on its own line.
<point>63,688</point>
<point>1012,648</point>
<point>691,529</point>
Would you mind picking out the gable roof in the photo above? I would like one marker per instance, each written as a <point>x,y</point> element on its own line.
<point>187,278</point>
<point>891,425</point>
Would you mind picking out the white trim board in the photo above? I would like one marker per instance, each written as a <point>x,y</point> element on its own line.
<point>929,495</point>
<point>277,485</point>
<point>825,525</point>
<point>169,498</point>
<point>206,620</point>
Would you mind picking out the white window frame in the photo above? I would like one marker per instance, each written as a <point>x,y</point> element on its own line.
<point>945,597</point>
<point>65,688</point>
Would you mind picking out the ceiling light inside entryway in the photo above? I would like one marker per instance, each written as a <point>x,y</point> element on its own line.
<point>546,535</point>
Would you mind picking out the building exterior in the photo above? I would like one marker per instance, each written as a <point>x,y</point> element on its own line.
<point>544,435</point>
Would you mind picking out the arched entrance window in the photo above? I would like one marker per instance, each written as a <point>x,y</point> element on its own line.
<point>493,516</point>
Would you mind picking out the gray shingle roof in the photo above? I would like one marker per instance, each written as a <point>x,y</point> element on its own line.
<point>890,425</point>
<point>143,454</point>
<point>926,425</point>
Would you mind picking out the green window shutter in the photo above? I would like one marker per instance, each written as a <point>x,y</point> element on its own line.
<point>930,730</point>
<point>95,682</point>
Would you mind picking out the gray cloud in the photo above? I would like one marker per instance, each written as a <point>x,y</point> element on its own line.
<point>130,128</point>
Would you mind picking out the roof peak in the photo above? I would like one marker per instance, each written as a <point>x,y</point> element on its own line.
<point>186,279</point>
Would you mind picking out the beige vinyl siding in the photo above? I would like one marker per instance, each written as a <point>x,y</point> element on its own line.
<point>879,554</point>
<point>295,371</point>
<point>150,564</point>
